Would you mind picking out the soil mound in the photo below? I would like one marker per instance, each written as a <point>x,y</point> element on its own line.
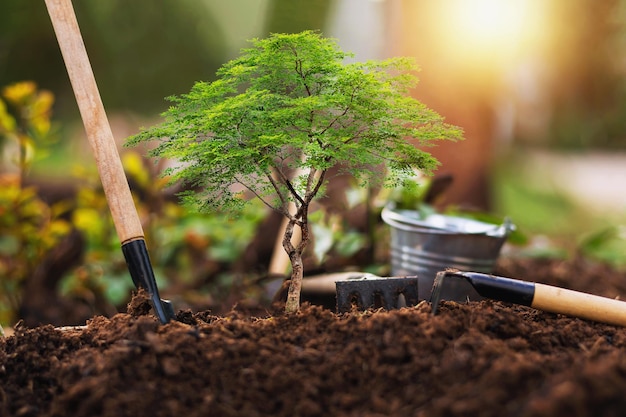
<point>476,359</point>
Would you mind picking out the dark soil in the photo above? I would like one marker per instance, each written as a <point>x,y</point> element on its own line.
<point>478,359</point>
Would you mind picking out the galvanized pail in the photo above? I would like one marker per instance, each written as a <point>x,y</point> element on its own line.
<point>423,246</point>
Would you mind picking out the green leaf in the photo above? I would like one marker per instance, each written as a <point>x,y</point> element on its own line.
<point>351,243</point>
<point>282,114</point>
<point>324,240</point>
<point>9,245</point>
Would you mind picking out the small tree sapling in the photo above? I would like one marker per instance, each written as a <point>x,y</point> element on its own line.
<point>281,115</point>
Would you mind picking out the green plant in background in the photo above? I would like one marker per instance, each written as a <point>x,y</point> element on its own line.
<point>607,245</point>
<point>29,227</point>
<point>416,197</point>
<point>410,196</point>
<point>280,116</point>
<point>103,274</point>
<point>24,124</point>
<point>333,234</point>
<point>187,248</point>
<point>194,251</point>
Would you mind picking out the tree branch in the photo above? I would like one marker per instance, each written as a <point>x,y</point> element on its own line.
<point>284,180</point>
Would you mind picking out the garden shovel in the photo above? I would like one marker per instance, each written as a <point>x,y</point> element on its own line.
<point>110,167</point>
<point>540,296</point>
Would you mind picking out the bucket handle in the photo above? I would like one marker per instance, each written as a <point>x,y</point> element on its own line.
<point>503,230</point>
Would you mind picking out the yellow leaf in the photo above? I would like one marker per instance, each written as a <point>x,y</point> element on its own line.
<point>40,112</point>
<point>43,103</point>
<point>133,165</point>
<point>7,122</point>
<point>88,221</point>
<point>41,125</point>
<point>59,228</point>
<point>19,93</point>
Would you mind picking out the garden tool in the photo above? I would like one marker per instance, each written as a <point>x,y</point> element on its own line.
<point>540,296</point>
<point>114,182</point>
<point>371,291</point>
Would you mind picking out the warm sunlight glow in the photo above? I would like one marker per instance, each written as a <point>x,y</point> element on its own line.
<point>489,22</point>
<point>491,31</point>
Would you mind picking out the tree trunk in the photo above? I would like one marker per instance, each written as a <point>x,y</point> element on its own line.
<point>295,256</point>
<point>295,286</point>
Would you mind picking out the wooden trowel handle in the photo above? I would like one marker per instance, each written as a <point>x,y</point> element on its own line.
<point>540,296</point>
<point>114,182</point>
<point>579,304</point>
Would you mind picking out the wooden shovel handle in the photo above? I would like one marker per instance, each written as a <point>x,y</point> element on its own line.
<point>97,126</point>
<point>578,304</point>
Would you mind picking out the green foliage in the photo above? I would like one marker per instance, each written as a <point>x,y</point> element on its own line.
<point>289,102</point>
<point>605,245</point>
<point>24,123</point>
<point>182,243</point>
<point>185,247</point>
<point>29,227</point>
<point>280,116</point>
<point>412,194</point>
<point>332,234</point>
<point>103,273</point>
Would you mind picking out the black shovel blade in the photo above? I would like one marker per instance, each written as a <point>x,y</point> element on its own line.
<point>168,309</point>
<point>140,268</point>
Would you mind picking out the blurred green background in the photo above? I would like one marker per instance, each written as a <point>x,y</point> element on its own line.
<point>539,87</point>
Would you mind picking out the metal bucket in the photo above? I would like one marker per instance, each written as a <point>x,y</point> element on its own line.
<point>425,246</point>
